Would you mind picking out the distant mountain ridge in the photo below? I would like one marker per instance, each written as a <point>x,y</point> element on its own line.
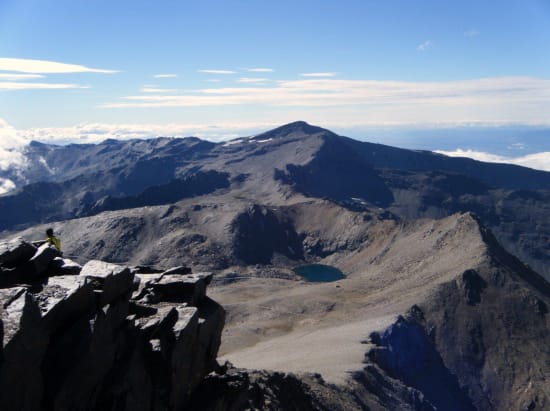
<point>277,167</point>
<point>61,163</point>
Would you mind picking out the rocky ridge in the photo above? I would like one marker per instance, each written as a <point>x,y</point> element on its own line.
<point>433,315</point>
<point>101,336</point>
<point>291,164</point>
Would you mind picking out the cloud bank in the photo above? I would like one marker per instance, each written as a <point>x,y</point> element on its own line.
<point>524,100</point>
<point>11,157</point>
<point>539,161</point>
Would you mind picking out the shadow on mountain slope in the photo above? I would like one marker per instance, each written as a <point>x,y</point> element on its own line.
<point>338,173</point>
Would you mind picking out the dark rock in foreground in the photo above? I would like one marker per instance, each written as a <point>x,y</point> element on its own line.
<point>81,342</point>
<point>241,389</point>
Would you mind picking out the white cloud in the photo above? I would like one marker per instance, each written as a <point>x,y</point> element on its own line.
<point>6,85</point>
<point>501,100</point>
<point>217,71</point>
<point>428,44</point>
<point>539,161</point>
<point>260,70</point>
<point>158,90</point>
<point>252,80</point>
<point>471,33</point>
<point>97,132</point>
<point>213,80</point>
<point>45,67</point>
<point>11,157</point>
<point>16,77</point>
<point>10,139</point>
<point>165,76</point>
<point>318,74</point>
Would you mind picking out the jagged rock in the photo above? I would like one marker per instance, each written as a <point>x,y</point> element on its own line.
<point>78,360</point>
<point>76,342</point>
<point>15,252</point>
<point>189,288</point>
<point>63,299</point>
<point>64,266</point>
<point>178,270</point>
<point>114,280</point>
<point>407,353</point>
<point>42,259</point>
<point>31,270</point>
<point>141,284</point>
<point>23,348</point>
<point>212,319</point>
<point>241,389</point>
<point>155,325</point>
<point>182,362</point>
<point>375,390</point>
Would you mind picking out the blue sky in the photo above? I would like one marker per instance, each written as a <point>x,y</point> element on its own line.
<point>88,70</point>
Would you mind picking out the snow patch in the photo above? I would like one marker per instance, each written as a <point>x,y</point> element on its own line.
<point>232,142</point>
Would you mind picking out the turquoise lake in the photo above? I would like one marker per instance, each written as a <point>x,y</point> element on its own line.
<point>319,273</point>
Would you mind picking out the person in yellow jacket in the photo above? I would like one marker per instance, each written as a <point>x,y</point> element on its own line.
<point>52,239</point>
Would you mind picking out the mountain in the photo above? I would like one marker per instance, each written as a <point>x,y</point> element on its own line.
<point>444,304</point>
<point>436,309</point>
<point>281,167</point>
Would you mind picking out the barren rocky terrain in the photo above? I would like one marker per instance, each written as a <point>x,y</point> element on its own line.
<point>446,295</point>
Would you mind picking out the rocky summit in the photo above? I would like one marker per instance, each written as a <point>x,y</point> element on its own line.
<point>101,336</point>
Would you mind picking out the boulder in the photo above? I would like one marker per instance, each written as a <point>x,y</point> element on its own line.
<point>79,359</point>
<point>29,271</point>
<point>183,353</point>
<point>112,280</point>
<point>84,342</point>
<point>23,348</point>
<point>41,260</point>
<point>15,252</point>
<point>189,288</point>
<point>64,266</point>
<point>142,284</point>
<point>211,322</point>
<point>158,324</point>
<point>64,299</point>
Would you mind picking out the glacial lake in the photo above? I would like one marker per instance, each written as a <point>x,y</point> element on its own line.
<point>319,273</point>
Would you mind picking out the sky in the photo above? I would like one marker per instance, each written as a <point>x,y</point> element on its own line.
<point>465,78</point>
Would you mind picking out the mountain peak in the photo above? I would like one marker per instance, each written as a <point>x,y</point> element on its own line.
<point>295,129</point>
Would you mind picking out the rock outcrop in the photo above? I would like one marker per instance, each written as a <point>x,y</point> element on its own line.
<point>480,342</point>
<point>101,336</point>
<point>242,389</point>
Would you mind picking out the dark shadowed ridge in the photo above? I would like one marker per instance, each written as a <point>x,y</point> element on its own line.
<point>507,176</point>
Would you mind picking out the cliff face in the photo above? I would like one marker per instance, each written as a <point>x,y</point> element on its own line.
<point>104,337</point>
<point>479,342</point>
